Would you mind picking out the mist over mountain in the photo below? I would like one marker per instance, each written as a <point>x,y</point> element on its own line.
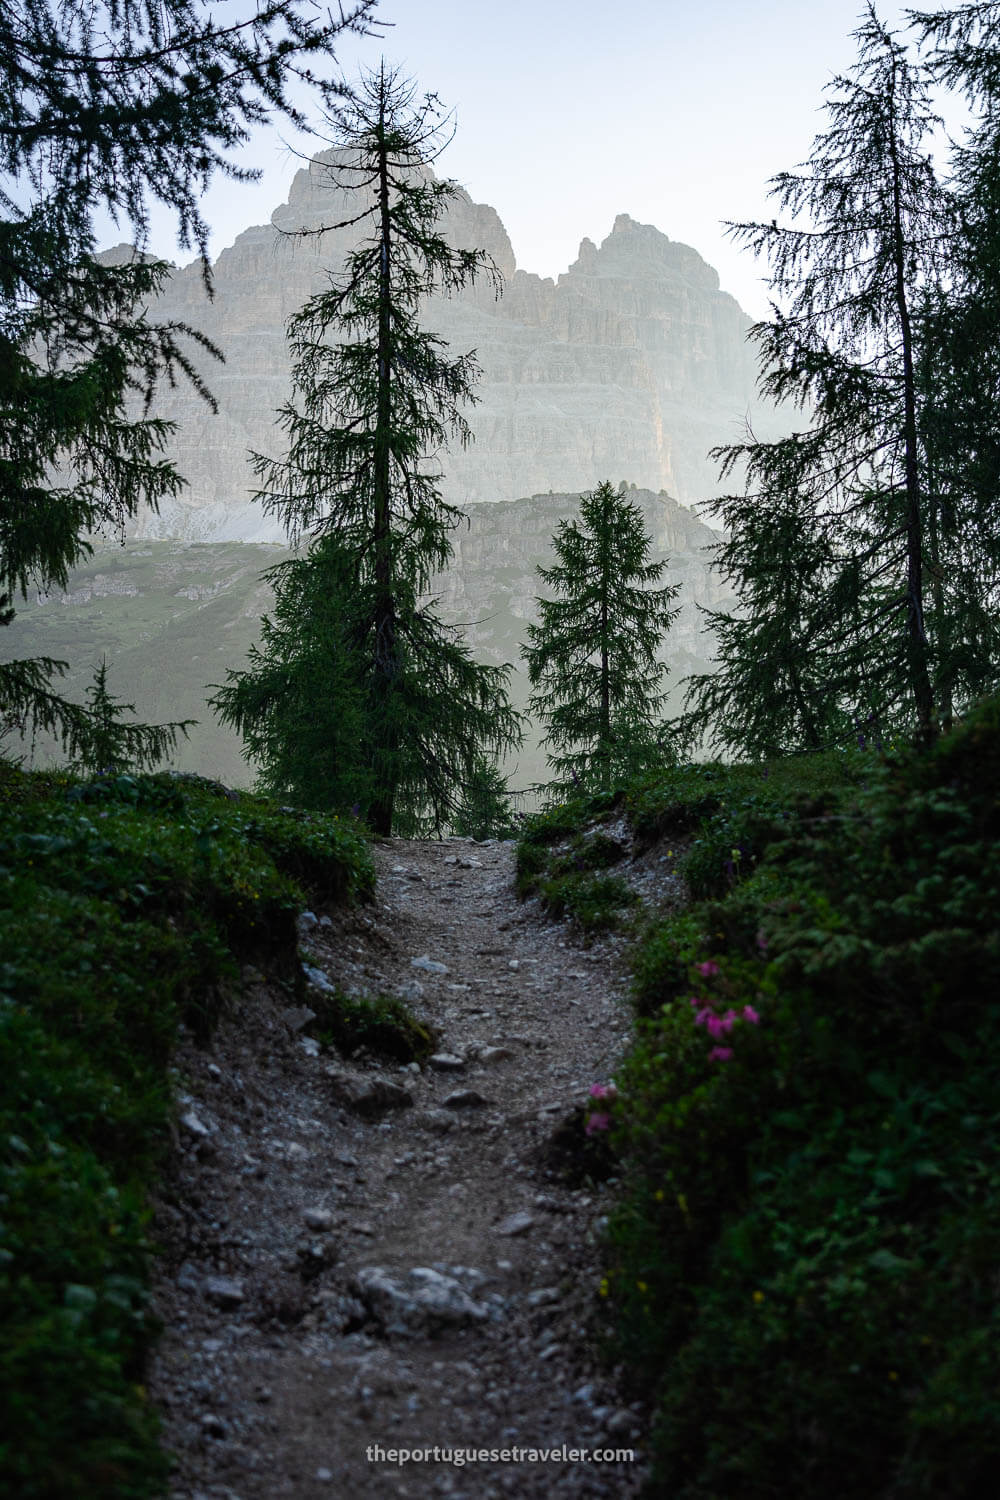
<point>632,365</point>
<point>172,617</point>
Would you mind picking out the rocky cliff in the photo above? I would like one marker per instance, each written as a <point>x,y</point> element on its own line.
<point>632,364</point>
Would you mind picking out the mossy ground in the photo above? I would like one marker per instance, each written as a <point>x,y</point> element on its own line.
<point>801,1265</point>
<point>128,906</point>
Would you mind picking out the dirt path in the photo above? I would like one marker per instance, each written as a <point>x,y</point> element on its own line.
<point>348,1269</point>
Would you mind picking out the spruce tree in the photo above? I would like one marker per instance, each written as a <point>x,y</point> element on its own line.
<point>485,811</point>
<point>829,544</point>
<point>108,744</point>
<point>105,109</point>
<point>375,398</point>
<point>592,659</point>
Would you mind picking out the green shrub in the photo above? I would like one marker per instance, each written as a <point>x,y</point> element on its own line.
<point>594,902</point>
<point>803,1261</point>
<point>380,1024</point>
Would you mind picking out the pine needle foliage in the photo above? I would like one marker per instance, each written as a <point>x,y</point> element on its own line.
<point>109,745</point>
<point>298,703</point>
<point>375,399</point>
<point>830,545</point>
<point>592,659</point>
<point>105,109</point>
<point>485,811</point>
<point>960,369</point>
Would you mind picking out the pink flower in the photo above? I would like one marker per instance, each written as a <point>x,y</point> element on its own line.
<point>720,1054</point>
<point>749,1014</point>
<point>718,1025</point>
<point>706,1017</point>
<point>603,1091</point>
<point>708,968</point>
<point>596,1123</point>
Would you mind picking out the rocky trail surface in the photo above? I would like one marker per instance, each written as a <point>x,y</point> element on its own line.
<point>363,1257</point>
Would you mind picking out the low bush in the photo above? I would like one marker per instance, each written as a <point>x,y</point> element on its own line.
<point>594,902</point>
<point>803,1261</point>
<point>380,1024</point>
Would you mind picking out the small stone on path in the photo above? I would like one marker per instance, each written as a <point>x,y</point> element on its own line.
<point>464,1099</point>
<point>518,1223</point>
<point>428,965</point>
<point>225,1291</point>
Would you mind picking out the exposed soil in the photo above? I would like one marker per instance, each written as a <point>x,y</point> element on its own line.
<point>284,1357</point>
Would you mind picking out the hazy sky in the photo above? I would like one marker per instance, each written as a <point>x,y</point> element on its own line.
<point>569,112</point>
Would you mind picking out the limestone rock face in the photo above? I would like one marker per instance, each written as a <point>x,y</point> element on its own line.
<point>632,365</point>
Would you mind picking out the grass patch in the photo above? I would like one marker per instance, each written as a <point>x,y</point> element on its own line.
<point>595,903</point>
<point>128,905</point>
<point>382,1025</point>
<point>810,1222</point>
<point>561,856</point>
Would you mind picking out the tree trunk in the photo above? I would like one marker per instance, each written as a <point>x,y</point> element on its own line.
<point>917,653</point>
<point>604,741</point>
<point>386,664</point>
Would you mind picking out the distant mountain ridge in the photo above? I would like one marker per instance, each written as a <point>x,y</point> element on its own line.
<point>632,364</point>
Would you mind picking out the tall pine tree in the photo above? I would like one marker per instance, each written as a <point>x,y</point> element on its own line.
<point>375,397</point>
<point>104,109</point>
<point>829,545</point>
<point>959,371</point>
<point>592,659</point>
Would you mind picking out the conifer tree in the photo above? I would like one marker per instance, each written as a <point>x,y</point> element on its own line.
<point>485,811</point>
<point>375,397</point>
<point>829,543</point>
<point>105,109</point>
<point>959,372</point>
<point>592,659</point>
<point>299,702</point>
<point>108,745</point>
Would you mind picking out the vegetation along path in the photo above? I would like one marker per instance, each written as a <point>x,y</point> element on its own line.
<point>391,1254</point>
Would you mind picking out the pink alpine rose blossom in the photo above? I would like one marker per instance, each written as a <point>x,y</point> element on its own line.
<point>597,1123</point>
<point>708,968</point>
<point>720,1054</point>
<point>718,1025</point>
<point>749,1014</point>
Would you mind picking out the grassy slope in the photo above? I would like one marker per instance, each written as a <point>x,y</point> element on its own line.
<point>803,1261</point>
<point>171,619</point>
<point>126,908</point>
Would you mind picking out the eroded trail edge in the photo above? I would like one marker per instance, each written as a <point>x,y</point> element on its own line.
<point>363,1257</point>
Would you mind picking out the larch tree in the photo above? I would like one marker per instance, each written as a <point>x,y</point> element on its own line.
<point>959,372</point>
<point>597,682</point>
<point>105,109</point>
<point>375,399</point>
<point>829,544</point>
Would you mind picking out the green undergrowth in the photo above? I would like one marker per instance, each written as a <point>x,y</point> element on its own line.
<point>563,856</point>
<point>727,814</point>
<point>802,1264</point>
<point>382,1025</point>
<point>127,908</point>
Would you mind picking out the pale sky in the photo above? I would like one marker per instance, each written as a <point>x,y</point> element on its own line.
<point>569,112</point>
